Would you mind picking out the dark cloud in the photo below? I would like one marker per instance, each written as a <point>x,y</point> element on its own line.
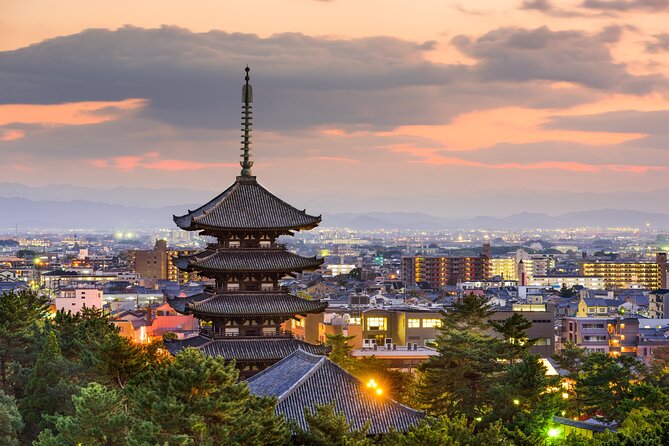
<point>520,55</point>
<point>193,79</point>
<point>547,7</point>
<point>302,85</point>
<point>627,5</point>
<point>659,44</point>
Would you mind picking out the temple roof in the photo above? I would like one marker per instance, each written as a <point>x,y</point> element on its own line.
<point>246,304</point>
<point>303,380</point>
<point>246,205</point>
<point>247,260</point>
<point>266,304</point>
<point>246,349</point>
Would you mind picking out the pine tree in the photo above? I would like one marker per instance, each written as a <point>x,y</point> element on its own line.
<point>100,418</point>
<point>341,349</point>
<point>197,400</point>
<point>20,311</point>
<point>457,381</point>
<point>525,400</point>
<point>11,422</point>
<point>80,334</point>
<point>514,330</point>
<point>48,390</point>
<point>612,386</point>
<point>118,359</point>
<point>448,431</point>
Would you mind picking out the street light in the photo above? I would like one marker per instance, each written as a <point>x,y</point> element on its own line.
<point>372,384</point>
<point>516,402</point>
<point>554,432</point>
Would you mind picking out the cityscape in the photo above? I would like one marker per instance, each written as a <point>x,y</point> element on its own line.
<point>420,233</point>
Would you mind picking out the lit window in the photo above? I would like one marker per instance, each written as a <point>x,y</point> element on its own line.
<point>355,321</point>
<point>413,323</point>
<point>431,323</point>
<point>376,323</point>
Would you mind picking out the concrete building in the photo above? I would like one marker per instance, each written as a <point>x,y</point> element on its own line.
<point>75,299</point>
<point>158,263</point>
<point>589,282</point>
<point>440,271</point>
<point>629,274</point>
<point>656,301</point>
<point>504,267</point>
<point>614,336</point>
<point>542,317</point>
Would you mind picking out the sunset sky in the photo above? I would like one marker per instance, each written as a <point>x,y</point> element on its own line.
<point>358,104</point>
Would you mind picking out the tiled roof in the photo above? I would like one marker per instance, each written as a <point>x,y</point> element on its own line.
<point>246,349</point>
<point>247,260</point>
<point>246,205</point>
<point>268,303</point>
<point>590,426</point>
<point>303,380</point>
<point>602,302</point>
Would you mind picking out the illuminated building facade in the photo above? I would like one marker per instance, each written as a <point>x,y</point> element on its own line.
<point>647,275</point>
<point>439,271</point>
<point>614,336</point>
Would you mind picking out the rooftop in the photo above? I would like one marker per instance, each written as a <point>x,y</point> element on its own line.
<point>303,380</point>
<point>248,303</point>
<point>246,205</point>
<point>247,260</point>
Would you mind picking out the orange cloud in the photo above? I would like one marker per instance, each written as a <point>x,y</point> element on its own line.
<point>71,113</point>
<point>152,161</point>
<point>432,157</point>
<point>512,125</point>
<point>11,134</point>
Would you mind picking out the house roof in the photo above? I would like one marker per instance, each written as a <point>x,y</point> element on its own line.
<point>247,260</point>
<point>246,349</point>
<point>602,302</point>
<point>303,380</point>
<point>246,205</point>
<point>590,425</point>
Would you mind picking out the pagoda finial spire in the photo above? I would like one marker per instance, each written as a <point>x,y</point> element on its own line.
<point>247,117</point>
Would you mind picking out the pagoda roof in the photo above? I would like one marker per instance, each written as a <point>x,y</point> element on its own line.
<point>246,304</point>
<point>303,380</point>
<point>247,349</point>
<point>247,260</point>
<point>246,205</point>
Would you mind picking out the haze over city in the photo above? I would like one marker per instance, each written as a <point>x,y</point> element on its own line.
<point>449,108</point>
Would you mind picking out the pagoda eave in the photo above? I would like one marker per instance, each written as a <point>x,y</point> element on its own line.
<point>216,230</point>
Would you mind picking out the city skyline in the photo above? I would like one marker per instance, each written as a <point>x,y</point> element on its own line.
<point>561,103</point>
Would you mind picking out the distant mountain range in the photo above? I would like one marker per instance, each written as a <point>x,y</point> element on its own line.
<point>596,218</point>
<point>79,214</point>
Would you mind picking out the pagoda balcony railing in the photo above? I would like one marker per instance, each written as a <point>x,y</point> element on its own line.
<point>218,335</point>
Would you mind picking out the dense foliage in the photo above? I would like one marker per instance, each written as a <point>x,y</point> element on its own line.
<point>72,379</point>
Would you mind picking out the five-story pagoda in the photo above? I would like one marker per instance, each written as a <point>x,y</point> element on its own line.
<point>242,315</point>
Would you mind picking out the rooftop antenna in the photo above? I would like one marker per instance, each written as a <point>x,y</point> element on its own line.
<point>247,99</point>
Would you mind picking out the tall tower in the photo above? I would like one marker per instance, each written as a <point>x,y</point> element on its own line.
<point>242,315</point>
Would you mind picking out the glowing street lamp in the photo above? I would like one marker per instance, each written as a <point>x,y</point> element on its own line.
<point>372,384</point>
<point>516,402</point>
<point>554,432</point>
